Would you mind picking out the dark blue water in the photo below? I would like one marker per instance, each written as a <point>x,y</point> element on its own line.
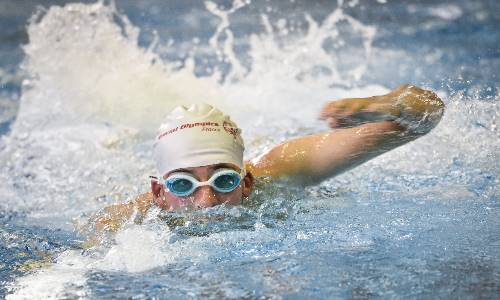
<point>466,42</point>
<point>423,223</point>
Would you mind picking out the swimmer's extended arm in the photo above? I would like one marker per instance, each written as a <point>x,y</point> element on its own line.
<point>363,128</point>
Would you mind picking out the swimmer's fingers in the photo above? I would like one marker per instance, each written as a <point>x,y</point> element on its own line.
<point>343,107</point>
<point>345,112</point>
<point>341,122</point>
<point>411,101</point>
<point>361,107</point>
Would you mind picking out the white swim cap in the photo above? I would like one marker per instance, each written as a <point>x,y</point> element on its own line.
<point>197,136</point>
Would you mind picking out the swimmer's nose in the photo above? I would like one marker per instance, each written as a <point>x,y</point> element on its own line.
<point>205,197</point>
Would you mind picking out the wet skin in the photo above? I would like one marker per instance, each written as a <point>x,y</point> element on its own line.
<point>361,129</point>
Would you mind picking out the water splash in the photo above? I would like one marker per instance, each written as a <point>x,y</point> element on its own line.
<point>86,60</point>
<point>82,138</point>
<point>102,95</point>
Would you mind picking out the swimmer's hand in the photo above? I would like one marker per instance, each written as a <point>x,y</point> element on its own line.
<point>364,129</point>
<point>408,105</point>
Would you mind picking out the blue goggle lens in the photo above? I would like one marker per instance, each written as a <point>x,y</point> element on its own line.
<point>179,185</point>
<point>226,182</point>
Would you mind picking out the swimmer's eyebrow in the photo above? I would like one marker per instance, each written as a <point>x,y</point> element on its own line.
<point>222,165</point>
<point>214,167</point>
<point>177,171</point>
<point>180,170</point>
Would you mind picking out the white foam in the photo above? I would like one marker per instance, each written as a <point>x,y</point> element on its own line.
<point>137,249</point>
<point>87,66</point>
<point>103,97</point>
<point>448,12</point>
<point>65,278</point>
<point>95,98</point>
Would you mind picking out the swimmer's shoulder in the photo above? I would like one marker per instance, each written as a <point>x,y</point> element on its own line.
<point>112,217</point>
<point>253,169</point>
<point>266,171</point>
<point>143,202</point>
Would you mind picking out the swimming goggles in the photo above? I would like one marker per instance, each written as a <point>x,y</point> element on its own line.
<point>184,184</point>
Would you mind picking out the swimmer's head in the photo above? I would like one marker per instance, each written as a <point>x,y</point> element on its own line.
<point>200,141</point>
<point>199,135</point>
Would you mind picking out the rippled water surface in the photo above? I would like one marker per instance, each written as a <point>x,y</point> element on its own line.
<point>83,87</point>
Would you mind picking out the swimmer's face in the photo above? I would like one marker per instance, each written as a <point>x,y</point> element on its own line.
<point>204,196</point>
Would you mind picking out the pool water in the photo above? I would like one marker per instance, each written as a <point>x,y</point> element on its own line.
<point>83,87</point>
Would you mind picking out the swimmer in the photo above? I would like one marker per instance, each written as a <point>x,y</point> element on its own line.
<point>199,151</point>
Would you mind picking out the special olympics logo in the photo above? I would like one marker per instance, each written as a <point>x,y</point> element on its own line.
<point>230,129</point>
